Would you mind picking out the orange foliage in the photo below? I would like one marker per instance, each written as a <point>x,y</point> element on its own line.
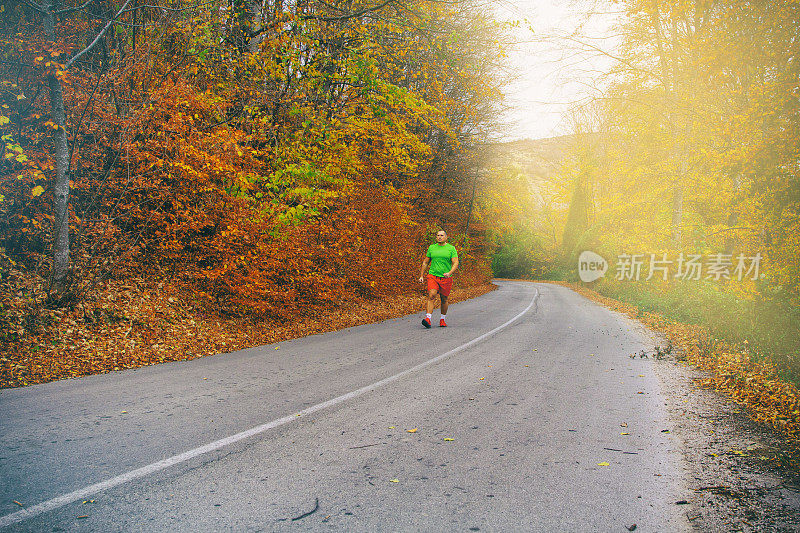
<point>137,322</point>
<point>270,176</point>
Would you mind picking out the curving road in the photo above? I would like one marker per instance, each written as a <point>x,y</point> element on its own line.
<point>529,415</point>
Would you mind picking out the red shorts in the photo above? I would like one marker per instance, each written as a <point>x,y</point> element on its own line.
<point>442,285</point>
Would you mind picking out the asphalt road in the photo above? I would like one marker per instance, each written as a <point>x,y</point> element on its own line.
<point>517,406</point>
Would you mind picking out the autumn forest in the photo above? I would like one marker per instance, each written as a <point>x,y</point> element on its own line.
<point>204,173</point>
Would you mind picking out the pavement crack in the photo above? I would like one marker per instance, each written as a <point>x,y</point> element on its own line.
<point>308,513</point>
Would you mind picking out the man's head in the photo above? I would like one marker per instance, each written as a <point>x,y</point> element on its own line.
<point>441,236</point>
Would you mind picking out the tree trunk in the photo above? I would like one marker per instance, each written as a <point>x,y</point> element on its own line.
<point>61,149</point>
<point>677,210</point>
<point>732,240</point>
<point>577,218</point>
<point>255,7</point>
<point>655,17</point>
<point>61,189</point>
<point>471,202</point>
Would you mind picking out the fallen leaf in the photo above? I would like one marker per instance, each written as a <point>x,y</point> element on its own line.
<point>412,430</point>
<point>623,433</point>
<point>394,481</point>
<point>448,439</point>
<point>391,427</point>
<point>603,464</point>
<point>15,501</point>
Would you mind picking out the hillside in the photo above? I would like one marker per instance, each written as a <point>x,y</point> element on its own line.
<point>537,158</point>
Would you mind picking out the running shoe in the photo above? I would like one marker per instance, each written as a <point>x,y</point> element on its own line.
<point>426,322</point>
<point>442,323</point>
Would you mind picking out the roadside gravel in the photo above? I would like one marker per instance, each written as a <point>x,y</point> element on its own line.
<point>741,472</point>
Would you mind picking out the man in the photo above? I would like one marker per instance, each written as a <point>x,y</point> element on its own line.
<point>443,260</point>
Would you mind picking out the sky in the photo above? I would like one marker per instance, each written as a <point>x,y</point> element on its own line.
<point>552,74</point>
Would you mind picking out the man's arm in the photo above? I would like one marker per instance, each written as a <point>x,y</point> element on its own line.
<point>453,267</point>
<point>425,263</point>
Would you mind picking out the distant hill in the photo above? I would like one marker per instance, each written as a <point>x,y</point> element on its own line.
<point>538,158</point>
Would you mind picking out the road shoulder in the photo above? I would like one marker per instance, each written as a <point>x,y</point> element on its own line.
<point>145,325</point>
<point>734,466</point>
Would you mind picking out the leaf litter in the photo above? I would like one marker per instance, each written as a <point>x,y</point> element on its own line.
<point>155,322</point>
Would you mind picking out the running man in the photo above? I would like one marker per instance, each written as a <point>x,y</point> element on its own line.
<point>443,260</point>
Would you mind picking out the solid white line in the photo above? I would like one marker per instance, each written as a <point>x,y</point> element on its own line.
<point>85,492</point>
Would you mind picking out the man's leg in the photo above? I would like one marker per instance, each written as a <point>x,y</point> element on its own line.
<point>429,305</point>
<point>442,322</point>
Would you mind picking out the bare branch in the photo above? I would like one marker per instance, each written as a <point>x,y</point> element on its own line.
<point>73,9</point>
<point>614,57</point>
<point>34,5</point>
<point>169,9</point>
<point>351,15</point>
<point>96,39</point>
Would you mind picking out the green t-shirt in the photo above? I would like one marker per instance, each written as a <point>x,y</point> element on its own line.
<point>441,258</point>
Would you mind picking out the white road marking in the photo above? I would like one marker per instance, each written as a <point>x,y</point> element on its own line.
<point>85,492</point>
